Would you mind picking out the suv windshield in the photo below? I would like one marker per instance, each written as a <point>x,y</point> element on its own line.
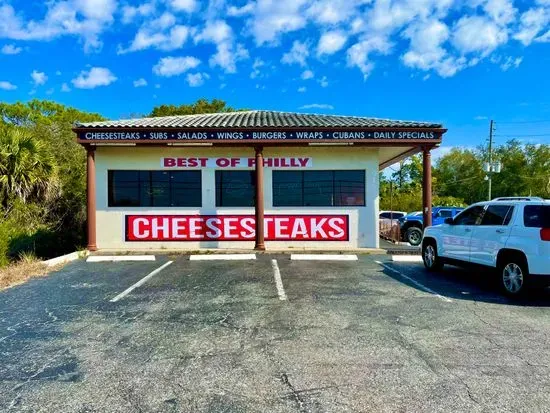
<point>537,216</point>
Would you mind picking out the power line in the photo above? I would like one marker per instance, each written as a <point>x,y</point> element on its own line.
<point>524,122</point>
<point>523,136</point>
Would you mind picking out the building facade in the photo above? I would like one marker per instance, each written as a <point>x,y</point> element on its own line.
<point>204,181</point>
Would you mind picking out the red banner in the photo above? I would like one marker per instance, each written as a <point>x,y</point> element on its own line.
<point>236,227</point>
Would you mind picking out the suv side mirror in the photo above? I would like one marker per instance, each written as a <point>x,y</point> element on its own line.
<point>449,221</point>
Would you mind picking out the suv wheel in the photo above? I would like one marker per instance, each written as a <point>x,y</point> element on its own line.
<point>432,261</point>
<point>513,274</point>
<point>414,236</point>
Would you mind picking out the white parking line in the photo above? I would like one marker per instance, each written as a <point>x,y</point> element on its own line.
<point>406,258</point>
<point>140,282</point>
<point>278,280</point>
<point>323,257</point>
<point>419,285</point>
<point>229,257</point>
<point>115,258</point>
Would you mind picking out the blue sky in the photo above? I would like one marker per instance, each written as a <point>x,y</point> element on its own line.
<point>458,62</point>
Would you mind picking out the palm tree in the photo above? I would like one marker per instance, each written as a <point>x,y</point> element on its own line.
<point>28,170</point>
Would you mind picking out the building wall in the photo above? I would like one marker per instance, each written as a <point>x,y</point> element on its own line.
<point>363,221</point>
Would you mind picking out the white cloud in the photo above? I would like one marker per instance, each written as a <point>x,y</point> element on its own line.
<point>196,79</point>
<point>11,49</point>
<point>332,11</point>
<point>331,42</point>
<point>188,6</point>
<point>478,34</point>
<point>173,66</point>
<point>297,54</point>
<point>302,89</point>
<point>307,74</point>
<point>38,78</point>
<point>227,53</point>
<point>511,62</point>
<point>270,19</point>
<point>65,88</point>
<point>234,11</point>
<point>359,54</point>
<point>140,82</point>
<point>86,19</point>
<point>322,106</point>
<point>4,85</point>
<point>532,22</point>
<point>95,77</point>
<point>256,66</point>
<point>129,13</point>
<point>323,81</point>
<point>161,33</point>
<point>480,117</point>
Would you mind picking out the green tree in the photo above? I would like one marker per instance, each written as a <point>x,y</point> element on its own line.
<point>200,106</point>
<point>28,170</point>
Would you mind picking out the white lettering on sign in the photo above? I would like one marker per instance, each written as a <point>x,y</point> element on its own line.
<point>235,162</point>
<point>236,227</point>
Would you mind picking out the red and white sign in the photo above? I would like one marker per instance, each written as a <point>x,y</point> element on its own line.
<point>234,162</point>
<point>236,227</point>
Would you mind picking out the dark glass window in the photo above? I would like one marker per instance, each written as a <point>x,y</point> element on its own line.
<point>470,216</point>
<point>497,215</point>
<point>319,188</point>
<point>235,189</point>
<point>537,216</point>
<point>155,188</point>
<point>445,213</point>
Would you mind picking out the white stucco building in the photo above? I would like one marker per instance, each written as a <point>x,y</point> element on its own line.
<point>203,181</point>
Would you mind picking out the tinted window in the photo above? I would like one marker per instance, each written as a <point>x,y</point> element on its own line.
<point>154,188</point>
<point>318,188</point>
<point>389,215</point>
<point>235,189</point>
<point>446,213</point>
<point>537,216</point>
<point>470,216</point>
<point>497,215</point>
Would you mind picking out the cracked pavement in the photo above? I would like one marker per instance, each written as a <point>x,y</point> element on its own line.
<point>212,336</point>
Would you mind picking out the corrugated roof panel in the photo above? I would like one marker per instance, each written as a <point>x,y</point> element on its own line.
<point>257,119</point>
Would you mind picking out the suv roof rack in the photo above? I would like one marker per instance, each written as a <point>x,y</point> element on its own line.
<point>518,198</point>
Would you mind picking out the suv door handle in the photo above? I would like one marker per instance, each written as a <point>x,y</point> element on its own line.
<point>500,231</point>
<point>467,230</point>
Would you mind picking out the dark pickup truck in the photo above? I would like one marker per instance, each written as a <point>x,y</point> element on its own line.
<point>412,226</point>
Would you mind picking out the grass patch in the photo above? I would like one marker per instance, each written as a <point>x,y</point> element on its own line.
<point>28,266</point>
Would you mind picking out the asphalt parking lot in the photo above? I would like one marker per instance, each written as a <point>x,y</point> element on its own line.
<point>215,336</point>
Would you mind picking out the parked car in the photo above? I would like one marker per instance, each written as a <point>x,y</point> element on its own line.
<point>509,235</point>
<point>391,214</point>
<point>412,226</point>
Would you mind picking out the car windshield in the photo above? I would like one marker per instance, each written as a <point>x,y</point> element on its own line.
<point>537,216</point>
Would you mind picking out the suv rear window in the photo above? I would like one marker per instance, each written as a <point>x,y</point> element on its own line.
<point>537,216</point>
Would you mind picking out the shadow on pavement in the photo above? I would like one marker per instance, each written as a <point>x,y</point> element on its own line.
<point>465,284</point>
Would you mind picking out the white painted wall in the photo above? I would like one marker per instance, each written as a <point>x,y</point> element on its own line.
<point>363,221</point>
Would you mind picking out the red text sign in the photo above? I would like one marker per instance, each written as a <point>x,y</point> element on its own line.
<point>236,227</point>
<point>234,162</point>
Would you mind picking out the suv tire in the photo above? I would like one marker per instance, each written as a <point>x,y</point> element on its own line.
<point>513,275</point>
<point>432,261</point>
<point>413,236</point>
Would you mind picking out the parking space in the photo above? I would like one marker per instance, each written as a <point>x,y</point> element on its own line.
<point>217,336</point>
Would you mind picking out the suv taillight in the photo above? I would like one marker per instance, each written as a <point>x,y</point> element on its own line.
<point>545,234</point>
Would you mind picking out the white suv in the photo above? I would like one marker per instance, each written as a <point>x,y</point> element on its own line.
<point>511,235</point>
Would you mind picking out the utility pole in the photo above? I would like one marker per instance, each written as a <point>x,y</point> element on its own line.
<point>490,172</point>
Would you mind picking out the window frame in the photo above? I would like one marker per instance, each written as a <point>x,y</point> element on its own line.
<point>151,181</point>
<point>505,221</point>
<point>334,185</point>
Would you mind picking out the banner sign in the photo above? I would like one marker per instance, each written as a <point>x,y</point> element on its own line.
<point>235,162</point>
<point>236,227</point>
<point>262,135</point>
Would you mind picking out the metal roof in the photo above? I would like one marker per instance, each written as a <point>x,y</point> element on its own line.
<point>259,119</point>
